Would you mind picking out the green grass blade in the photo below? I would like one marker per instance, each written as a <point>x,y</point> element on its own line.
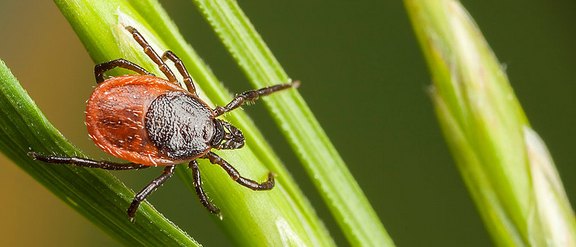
<point>341,192</point>
<point>95,194</point>
<point>278,217</point>
<point>504,163</point>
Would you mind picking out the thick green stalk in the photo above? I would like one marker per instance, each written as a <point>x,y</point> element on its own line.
<point>95,194</point>
<point>340,191</point>
<point>504,163</point>
<point>278,217</point>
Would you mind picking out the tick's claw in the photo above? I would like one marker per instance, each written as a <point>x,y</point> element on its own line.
<point>271,181</point>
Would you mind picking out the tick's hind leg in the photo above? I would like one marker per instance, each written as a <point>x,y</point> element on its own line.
<point>199,190</point>
<point>253,95</point>
<point>152,54</point>
<point>77,161</point>
<point>235,175</point>
<point>151,187</point>
<point>169,55</point>
<point>99,69</point>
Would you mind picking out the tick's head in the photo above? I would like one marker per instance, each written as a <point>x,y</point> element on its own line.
<point>226,136</point>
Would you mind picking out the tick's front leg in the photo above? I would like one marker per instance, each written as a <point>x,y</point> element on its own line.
<point>253,95</point>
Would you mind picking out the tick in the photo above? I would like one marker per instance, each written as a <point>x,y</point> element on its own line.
<point>150,121</point>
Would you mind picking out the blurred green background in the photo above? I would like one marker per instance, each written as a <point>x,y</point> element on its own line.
<point>363,76</point>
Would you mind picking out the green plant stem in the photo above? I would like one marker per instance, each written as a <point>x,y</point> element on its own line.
<point>95,194</point>
<point>504,163</point>
<point>281,216</point>
<point>340,191</point>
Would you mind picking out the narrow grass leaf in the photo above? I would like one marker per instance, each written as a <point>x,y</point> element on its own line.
<point>344,197</point>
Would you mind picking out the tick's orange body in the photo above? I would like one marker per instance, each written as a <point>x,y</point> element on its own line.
<point>115,115</point>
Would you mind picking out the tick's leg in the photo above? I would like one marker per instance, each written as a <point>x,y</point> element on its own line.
<point>253,95</point>
<point>99,69</point>
<point>235,175</point>
<point>199,190</point>
<point>77,161</point>
<point>152,54</point>
<point>151,187</point>
<point>182,69</point>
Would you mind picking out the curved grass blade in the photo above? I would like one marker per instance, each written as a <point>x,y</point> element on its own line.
<point>95,194</point>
